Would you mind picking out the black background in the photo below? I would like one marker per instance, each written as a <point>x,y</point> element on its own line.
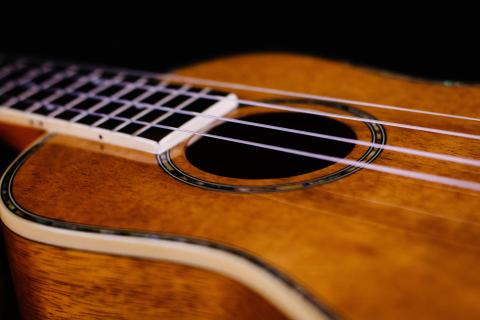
<point>158,38</point>
<point>161,37</point>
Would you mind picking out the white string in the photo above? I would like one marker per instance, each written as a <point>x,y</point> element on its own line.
<point>470,185</point>
<point>315,112</point>
<point>306,111</point>
<point>420,153</point>
<point>335,115</point>
<point>244,87</point>
<point>375,167</point>
<point>396,171</point>
<point>426,154</point>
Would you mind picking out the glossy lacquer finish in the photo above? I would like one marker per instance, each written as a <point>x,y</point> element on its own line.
<point>366,245</point>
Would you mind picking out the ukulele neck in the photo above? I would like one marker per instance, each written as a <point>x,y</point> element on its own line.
<point>124,108</point>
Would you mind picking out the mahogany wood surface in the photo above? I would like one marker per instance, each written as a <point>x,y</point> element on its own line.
<point>18,137</point>
<point>371,245</point>
<point>82,285</point>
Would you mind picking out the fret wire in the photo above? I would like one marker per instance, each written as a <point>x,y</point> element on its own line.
<point>150,108</point>
<point>461,183</point>
<point>106,83</point>
<point>82,80</point>
<point>67,106</point>
<point>120,93</point>
<point>101,103</point>
<point>32,74</point>
<point>410,127</point>
<point>147,109</point>
<point>99,121</point>
<point>56,78</point>
<point>27,93</point>
<point>340,116</point>
<point>100,88</point>
<point>126,123</point>
<point>397,149</point>
<point>139,98</point>
<point>6,87</point>
<point>141,81</point>
<point>144,95</point>
<point>243,87</point>
<point>82,113</point>
<point>50,86</point>
<point>121,109</point>
<point>381,168</point>
<point>314,112</point>
<point>173,129</point>
<point>172,110</point>
<point>37,72</point>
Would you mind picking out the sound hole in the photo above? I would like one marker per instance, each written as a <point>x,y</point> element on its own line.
<point>235,160</point>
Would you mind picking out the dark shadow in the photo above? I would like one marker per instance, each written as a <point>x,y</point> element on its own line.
<point>8,303</point>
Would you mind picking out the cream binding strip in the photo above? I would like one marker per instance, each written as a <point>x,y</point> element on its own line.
<point>51,124</point>
<point>235,267</point>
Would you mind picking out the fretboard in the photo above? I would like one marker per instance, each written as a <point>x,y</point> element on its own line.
<point>126,108</point>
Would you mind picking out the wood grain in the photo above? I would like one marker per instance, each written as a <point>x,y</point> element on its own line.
<point>369,246</point>
<point>18,137</point>
<point>123,288</point>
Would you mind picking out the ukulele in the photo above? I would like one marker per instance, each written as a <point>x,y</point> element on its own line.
<point>259,186</point>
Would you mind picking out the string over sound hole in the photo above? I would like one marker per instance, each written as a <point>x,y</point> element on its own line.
<point>224,158</point>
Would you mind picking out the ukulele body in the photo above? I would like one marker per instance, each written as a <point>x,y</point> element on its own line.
<point>98,231</point>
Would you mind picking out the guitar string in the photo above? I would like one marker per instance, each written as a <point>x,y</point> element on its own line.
<point>438,179</point>
<point>416,152</point>
<point>421,153</point>
<point>244,87</point>
<point>334,115</point>
<point>464,184</point>
<point>375,167</point>
<point>318,113</point>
